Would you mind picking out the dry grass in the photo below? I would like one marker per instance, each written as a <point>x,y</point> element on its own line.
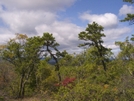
<point>29,99</point>
<point>32,99</point>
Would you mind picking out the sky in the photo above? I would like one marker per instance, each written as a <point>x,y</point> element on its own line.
<point>65,19</point>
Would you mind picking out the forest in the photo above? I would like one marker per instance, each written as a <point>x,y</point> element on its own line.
<point>95,74</point>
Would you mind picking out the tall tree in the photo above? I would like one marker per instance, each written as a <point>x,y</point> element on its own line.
<point>93,37</point>
<point>24,53</point>
<point>50,45</point>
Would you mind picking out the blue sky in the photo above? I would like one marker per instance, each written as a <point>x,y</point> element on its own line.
<point>65,19</point>
<point>94,6</point>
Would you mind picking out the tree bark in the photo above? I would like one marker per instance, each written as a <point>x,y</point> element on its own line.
<point>57,65</point>
<point>21,88</point>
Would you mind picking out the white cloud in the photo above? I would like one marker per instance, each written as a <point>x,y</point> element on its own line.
<point>34,17</point>
<point>66,33</point>
<point>126,9</point>
<point>1,9</point>
<point>116,33</point>
<point>26,21</point>
<point>112,30</point>
<point>5,35</point>
<point>106,20</point>
<point>111,46</point>
<point>46,5</point>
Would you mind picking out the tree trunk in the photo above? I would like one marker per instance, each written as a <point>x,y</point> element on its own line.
<point>59,76</point>
<point>104,65</point>
<point>21,88</point>
<point>57,67</point>
<point>101,56</point>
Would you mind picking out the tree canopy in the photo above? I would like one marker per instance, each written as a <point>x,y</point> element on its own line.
<point>93,38</point>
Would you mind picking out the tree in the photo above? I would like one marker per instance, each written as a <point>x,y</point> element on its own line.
<point>129,17</point>
<point>49,45</point>
<point>93,37</point>
<point>24,53</point>
<point>127,49</point>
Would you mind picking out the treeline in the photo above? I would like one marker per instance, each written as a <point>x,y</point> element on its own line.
<point>92,75</point>
<point>88,76</point>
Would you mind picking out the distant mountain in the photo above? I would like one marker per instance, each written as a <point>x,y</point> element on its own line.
<point>52,62</point>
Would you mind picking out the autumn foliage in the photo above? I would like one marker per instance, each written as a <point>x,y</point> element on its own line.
<point>65,82</point>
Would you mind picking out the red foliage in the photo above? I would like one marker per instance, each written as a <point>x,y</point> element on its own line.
<point>66,81</point>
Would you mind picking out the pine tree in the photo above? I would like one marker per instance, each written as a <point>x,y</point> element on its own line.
<point>93,38</point>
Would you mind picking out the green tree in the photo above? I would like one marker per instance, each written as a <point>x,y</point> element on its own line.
<point>50,45</point>
<point>127,53</point>
<point>127,49</point>
<point>129,17</point>
<point>24,53</point>
<point>93,37</point>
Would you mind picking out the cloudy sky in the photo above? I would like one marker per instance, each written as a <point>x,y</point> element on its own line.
<point>65,19</point>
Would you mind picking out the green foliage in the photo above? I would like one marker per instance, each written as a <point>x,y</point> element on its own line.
<point>127,49</point>
<point>96,85</point>
<point>130,1</point>
<point>49,44</point>
<point>49,40</point>
<point>23,53</point>
<point>81,77</point>
<point>46,77</point>
<point>129,17</point>
<point>66,60</point>
<point>93,34</point>
<point>43,71</point>
<point>8,78</point>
